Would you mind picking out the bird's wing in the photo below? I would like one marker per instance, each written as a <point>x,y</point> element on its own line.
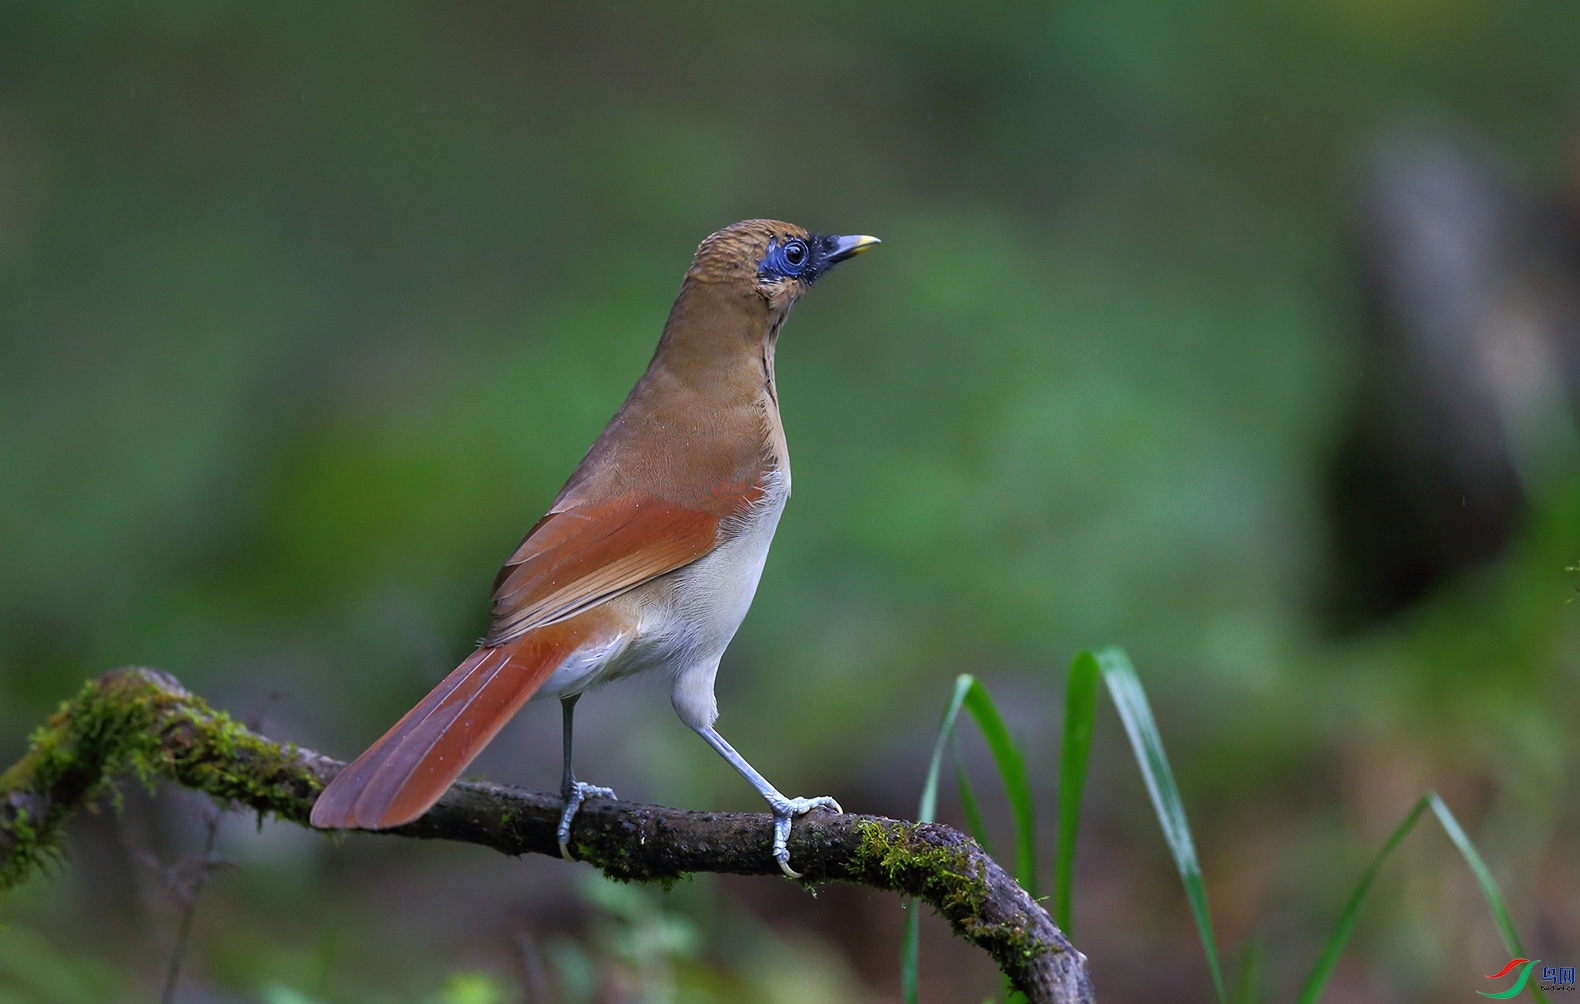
<point>574,559</point>
<point>580,556</point>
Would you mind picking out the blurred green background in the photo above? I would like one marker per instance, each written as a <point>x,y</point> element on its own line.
<point>307,310</point>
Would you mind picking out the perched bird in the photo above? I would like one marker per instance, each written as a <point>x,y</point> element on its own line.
<point>649,557</point>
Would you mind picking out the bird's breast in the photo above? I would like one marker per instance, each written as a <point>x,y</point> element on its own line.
<point>682,621</point>
<point>710,596</point>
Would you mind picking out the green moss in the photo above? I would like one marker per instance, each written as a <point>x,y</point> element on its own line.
<point>137,722</point>
<point>949,878</point>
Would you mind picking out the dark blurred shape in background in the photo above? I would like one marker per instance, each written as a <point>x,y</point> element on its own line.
<point>1468,370</point>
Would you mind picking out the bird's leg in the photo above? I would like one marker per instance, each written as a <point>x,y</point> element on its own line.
<point>784,809</point>
<point>573,791</point>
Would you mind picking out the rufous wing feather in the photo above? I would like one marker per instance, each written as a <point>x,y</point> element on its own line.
<point>583,555</point>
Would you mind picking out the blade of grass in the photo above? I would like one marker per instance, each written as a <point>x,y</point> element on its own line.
<point>1248,990</point>
<point>968,796</point>
<point>1080,710</point>
<point>1489,886</point>
<point>1131,700</point>
<point>929,804</point>
<point>1012,771</point>
<point>910,953</point>
<point>1318,980</point>
<point>1329,958</point>
<point>1011,764</point>
<point>1478,867</point>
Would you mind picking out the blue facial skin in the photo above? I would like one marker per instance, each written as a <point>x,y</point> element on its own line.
<point>799,259</point>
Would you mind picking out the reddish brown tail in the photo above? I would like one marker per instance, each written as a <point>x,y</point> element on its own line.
<point>404,773</point>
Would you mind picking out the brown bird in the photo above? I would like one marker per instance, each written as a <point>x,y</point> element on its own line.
<point>649,557</point>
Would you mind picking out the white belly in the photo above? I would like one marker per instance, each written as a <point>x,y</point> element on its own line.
<point>684,620</point>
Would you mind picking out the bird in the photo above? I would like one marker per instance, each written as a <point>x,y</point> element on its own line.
<point>648,558</point>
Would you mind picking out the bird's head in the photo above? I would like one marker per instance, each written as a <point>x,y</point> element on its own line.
<point>778,261</point>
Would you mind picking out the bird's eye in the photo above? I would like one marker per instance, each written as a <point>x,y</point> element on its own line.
<point>789,260</point>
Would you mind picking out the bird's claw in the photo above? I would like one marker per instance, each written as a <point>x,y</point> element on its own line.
<point>786,810</point>
<point>578,793</point>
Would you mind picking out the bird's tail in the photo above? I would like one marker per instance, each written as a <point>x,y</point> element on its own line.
<point>404,773</point>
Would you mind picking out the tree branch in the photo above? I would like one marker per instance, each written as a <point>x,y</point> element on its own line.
<point>143,721</point>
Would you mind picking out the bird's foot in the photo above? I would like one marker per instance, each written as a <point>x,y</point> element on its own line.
<point>785,810</point>
<point>574,796</point>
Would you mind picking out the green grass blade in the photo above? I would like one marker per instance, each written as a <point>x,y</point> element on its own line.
<point>1080,710</point>
<point>1347,917</point>
<point>929,805</point>
<point>1012,771</point>
<point>1131,700</point>
<point>1329,958</point>
<point>910,953</point>
<point>1248,990</point>
<point>1478,868</point>
<point>968,797</point>
<point>1011,764</point>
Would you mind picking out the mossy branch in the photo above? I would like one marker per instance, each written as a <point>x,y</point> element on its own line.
<point>142,721</point>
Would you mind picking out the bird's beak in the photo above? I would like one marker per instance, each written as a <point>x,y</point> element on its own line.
<point>850,247</point>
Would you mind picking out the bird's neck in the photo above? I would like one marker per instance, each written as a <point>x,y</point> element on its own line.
<point>720,339</point>
<point>717,354</point>
<point>702,424</point>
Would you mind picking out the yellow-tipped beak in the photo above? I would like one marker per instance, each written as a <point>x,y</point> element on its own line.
<point>850,247</point>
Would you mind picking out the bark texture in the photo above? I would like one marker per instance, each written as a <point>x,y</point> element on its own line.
<point>143,721</point>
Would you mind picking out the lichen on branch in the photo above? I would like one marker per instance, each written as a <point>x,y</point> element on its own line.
<point>142,722</point>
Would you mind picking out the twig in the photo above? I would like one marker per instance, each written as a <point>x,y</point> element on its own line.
<point>190,896</point>
<point>529,967</point>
